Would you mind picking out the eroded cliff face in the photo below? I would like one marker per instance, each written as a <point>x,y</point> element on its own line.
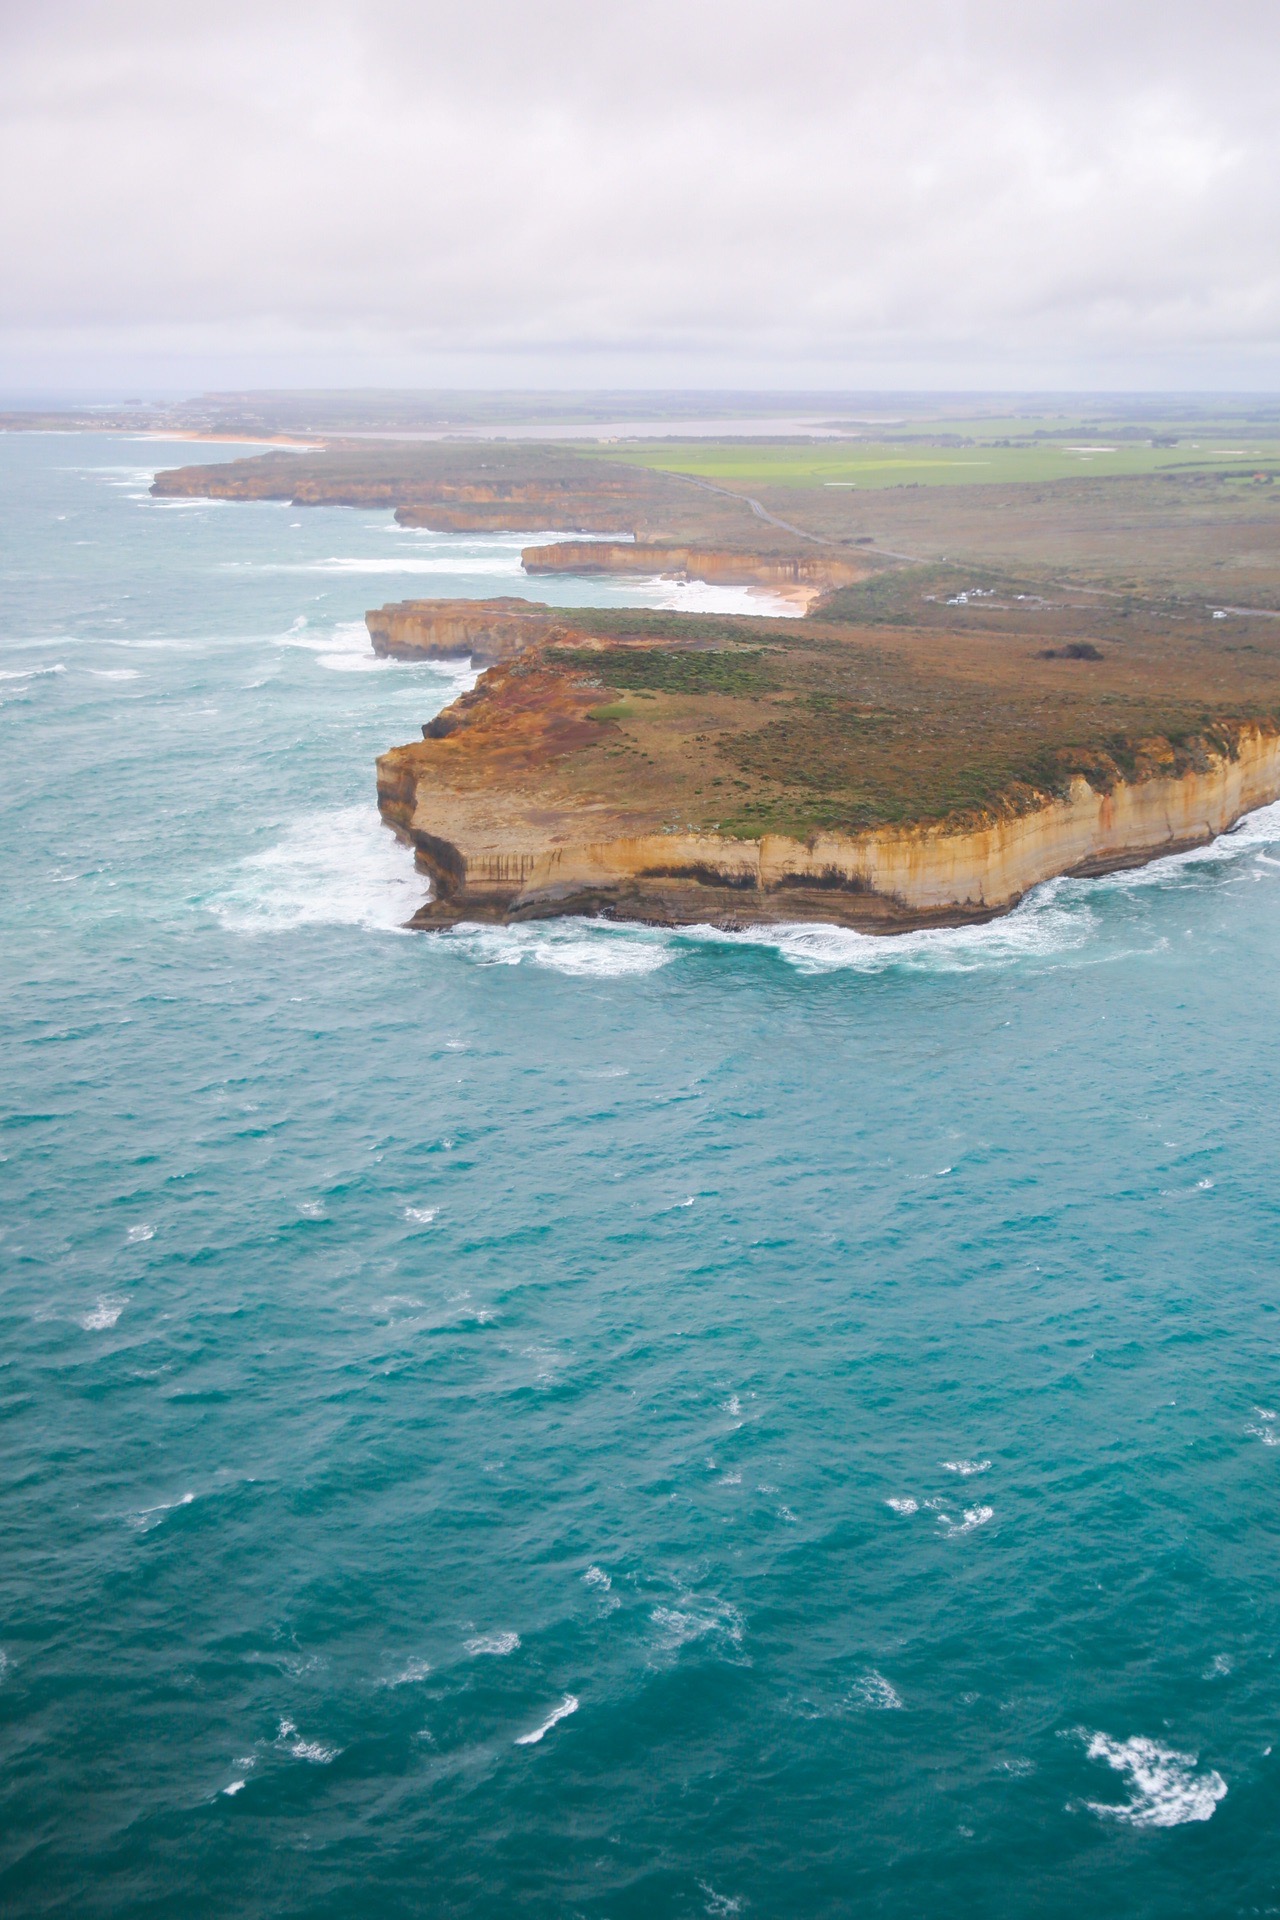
<point>486,631</point>
<point>493,856</point>
<point>818,572</point>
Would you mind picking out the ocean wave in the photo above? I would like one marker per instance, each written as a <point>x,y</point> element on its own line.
<point>967,1467</point>
<point>103,1314</point>
<point>410,1674</point>
<point>313,1751</point>
<point>347,648</point>
<point>495,565</point>
<point>697,1619</point>
<point>496,1644</point>
<point>583,949</point>
<point>973,1517</point>
<point>903,1503</point>
<point>335,867</point>
<point>873,1691</point>
<point>567,1706</point>
<point>143,1519</point>
<point>1167,1791</point>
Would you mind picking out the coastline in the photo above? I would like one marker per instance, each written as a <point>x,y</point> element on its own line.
<point>886,881</point>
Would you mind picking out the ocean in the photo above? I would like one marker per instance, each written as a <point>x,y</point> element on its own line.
<point>580,1419</point>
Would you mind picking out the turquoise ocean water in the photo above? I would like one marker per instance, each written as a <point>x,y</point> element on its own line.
<point>584,1420</point>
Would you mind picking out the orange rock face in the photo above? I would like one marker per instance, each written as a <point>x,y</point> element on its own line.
<point>486,631</point>
<point>818,571</point>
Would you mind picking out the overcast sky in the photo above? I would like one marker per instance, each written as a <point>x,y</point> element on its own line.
<point>991,193</point>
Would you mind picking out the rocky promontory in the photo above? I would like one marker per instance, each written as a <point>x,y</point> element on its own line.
<point>809,573</point>
<point>797,770</point>
<point>484,631</point>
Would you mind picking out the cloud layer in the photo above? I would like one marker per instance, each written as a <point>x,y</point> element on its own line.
<point>964,191</point>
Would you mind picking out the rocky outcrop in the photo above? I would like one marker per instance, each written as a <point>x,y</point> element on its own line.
<point>486,631</point>
<point>817,572</point>
<point>516,506</point>
<point>493,858</point>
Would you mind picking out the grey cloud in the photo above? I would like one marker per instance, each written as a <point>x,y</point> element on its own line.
<point>965,190</point>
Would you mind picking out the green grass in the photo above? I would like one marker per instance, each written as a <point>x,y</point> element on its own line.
<point>870,465</point>
<point>636,669</point>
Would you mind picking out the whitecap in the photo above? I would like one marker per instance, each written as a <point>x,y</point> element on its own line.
<point>581,949</point>
<point>104,1314</point>
<point>903,1503</point>
<point>1166,1789</point>
<point>233,1787</point>
<point>493,1643</point>
<point>145,1518</point>
<point>29,673</point>
<point>314,1751</point>
<point>597,1577</point>
<point>115,673</point>
<point>335,867</point>
<point>1042,927</point>
<point>966,1467</point>
<point>423,1216</point>
<point>697,1619</point>
<point>872,1690</point>
<point>567,1706</point>
<point>410,1675</point>
<point>973,1517</point>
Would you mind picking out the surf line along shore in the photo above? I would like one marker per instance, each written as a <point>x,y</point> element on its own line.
<point>541,793</point>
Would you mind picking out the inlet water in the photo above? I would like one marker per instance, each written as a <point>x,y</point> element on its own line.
<point>585,1420</point>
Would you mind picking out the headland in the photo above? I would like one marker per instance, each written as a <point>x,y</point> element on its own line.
<point>934,732</point>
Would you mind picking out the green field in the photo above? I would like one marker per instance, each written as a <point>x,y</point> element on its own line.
<point>870,464</point>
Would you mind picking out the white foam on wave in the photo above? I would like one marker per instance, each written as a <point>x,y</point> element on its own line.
<point>705,596</point>
<point>115,673</point>
<point>496,1644</point>
<point>347,648</point>
<point>1256,830</point>
<point>410,1674</point>
<point>103,1314</point>
<point>30,673</point>
<point>583,949</point>
<point>145,1518</point>
<point>313,1751</point>
<point>697,1618</point>
<point>903,1503</point>
<point>967,1467</point>
<point>337,867</point>
<point>973,1517</point>
<point>421,1216</point>
<point>567,1706</point>
<point>1167,1791</point>
<point>1043,927</point>
<point>506,565</point>
<point>872,1690</point>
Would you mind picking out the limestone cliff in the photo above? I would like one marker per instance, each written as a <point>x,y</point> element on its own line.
<point>486,631</point>
<point>819,572</point>
<point>493,855</point>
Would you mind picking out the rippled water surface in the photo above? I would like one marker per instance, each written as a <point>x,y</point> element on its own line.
<point>586,1420</point>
